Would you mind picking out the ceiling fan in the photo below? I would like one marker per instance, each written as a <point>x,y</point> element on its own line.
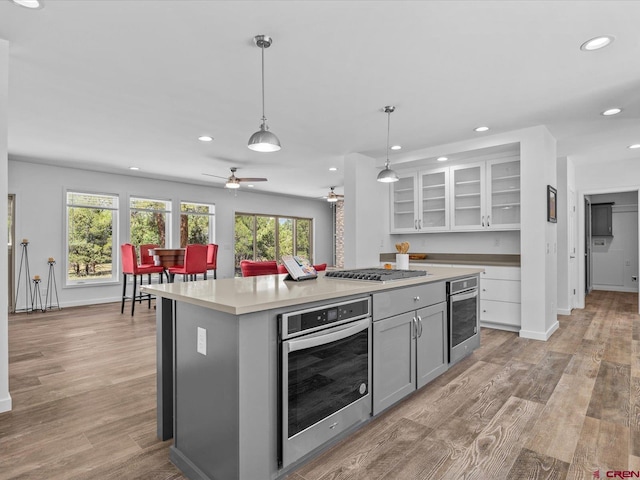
<point>233,181</point>
<point>332,196</point>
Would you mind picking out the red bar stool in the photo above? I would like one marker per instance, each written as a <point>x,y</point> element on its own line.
<point>147,260</point>
<point>252,269</point>
<point>130,267</point>
<point>195,262</point>
<point>212,258</point>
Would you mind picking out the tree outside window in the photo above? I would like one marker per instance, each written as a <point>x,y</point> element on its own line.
<point>265,237</point>
<point>91,229</point>
<point>197,223</point>
<point>149,221</point>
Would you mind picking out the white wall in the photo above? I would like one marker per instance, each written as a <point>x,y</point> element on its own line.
<point>40,217</point>
<point>463,242</point>
<point>616,262</point>
<point>601,178</point>
<point>5,398</point>
<point>366,212</point>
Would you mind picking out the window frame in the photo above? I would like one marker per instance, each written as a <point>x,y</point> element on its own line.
<point>115,242</point>
<point>212,218</point>
<point>277,219</point>
<point>168,218</point>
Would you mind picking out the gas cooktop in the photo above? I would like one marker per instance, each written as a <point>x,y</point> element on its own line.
<point>375,274</point>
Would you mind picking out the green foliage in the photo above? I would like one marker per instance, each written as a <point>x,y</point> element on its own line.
<point>90,242</point>
<point>264,247</point>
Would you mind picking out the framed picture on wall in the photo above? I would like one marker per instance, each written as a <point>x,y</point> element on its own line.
<point>552,204</point>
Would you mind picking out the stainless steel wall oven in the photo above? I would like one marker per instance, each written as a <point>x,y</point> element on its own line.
<point>464,326</point>
<point>324,375</point>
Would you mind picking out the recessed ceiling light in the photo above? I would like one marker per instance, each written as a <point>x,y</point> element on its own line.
<point>33,4</point>
<point>611,111</point>
<point>333,169</point>
<point>481,129</point>
<point>205,138</point>
<point>443,159</point>
<point>134,168</point>
<point>396,147</point>
<point>597,43</point>
<point>634,146</point>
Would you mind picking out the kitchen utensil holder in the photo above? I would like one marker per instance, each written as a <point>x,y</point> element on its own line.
<point>402,261</point>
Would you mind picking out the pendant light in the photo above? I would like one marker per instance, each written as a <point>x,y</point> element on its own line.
<point>263,140</point>
<point>387,175</point>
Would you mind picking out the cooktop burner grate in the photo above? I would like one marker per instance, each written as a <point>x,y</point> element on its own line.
<point>375,274</point>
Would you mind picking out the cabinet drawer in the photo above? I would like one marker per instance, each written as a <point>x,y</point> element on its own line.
<point>401,300</point>
<point>501,290</point>
<point>501,273</point>
<point>505,313</point>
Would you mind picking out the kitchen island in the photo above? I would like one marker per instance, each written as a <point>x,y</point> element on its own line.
<point>218,362</point>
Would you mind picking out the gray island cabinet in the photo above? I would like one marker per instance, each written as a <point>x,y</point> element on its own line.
<point>218,361</point>
<point>409,341</point>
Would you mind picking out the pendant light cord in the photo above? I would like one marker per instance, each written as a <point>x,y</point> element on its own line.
<point>264,119</point>
<point>388,130</point>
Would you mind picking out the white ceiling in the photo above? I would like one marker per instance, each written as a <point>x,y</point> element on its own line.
<point>106,85</point>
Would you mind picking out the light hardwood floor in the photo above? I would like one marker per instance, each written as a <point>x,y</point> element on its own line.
<point>83,387</point>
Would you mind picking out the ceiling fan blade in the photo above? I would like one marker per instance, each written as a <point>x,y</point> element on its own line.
<point>211,175</point>
<point>252,179</point>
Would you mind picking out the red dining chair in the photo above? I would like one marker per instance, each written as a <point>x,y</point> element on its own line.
<point>321,267</point>
<point>212,258</point>
<point>252,269</point>
<point>130,267</point>
<point>195,262</point>
<point>146,259</point>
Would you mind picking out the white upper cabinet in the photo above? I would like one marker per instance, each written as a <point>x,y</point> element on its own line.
<point>434,200</point>
<point>467,197</point>
<point>404,195</point>
<point>503,194</point>
<point>420,202</point>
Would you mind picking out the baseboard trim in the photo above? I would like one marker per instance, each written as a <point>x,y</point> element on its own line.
<point>609,288</point>
<point>564,311</point>
<point>539,335</point>
<point>500,326</point>
<point>6,404</point>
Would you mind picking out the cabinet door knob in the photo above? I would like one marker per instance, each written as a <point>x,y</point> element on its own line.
<point>482,220</point>
<point>484,289</point>
<point>488,217</point>
<point>416,299</point>
<point>484,311</point>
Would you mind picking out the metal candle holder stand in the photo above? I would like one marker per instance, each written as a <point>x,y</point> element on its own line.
<point>24,263</point>
<point>48,302</point>
<point>37,297</point>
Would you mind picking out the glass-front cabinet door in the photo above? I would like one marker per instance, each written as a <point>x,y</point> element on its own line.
<point>403,204</point>
<point>434,187</point>
<point>503,194</point>
<point>467,187</point>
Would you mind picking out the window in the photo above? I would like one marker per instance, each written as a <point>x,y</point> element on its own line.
<point>149,221</point>
<point>266,237</point>
<point>197,223</point>
<point>91,230</point>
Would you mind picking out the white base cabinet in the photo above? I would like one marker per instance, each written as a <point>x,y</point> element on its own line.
<point>409,349</point>
<point>500,293</point>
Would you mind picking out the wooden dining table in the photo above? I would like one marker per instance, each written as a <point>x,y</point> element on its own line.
<point>167,257</point>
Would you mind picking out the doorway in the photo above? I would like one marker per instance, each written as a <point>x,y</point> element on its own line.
<point>11,250</point>
<point>611,257</point>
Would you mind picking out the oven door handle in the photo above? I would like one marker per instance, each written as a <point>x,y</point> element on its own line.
<point>456,297</point>
<point>322,338</point>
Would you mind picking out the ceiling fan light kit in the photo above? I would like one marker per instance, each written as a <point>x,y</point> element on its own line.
<point>333,197</point>
<point>263,140</point>
<point>387,175</point>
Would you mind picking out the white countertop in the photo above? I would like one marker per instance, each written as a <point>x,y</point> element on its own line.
<point>265,292</point>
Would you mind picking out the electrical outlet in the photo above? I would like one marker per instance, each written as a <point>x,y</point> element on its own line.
<point>202,341</point>
<point>627,263</point>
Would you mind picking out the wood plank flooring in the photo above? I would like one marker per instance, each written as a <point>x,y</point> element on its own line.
<point>83,387</point>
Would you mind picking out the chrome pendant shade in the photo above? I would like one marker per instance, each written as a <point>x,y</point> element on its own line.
<point>263,140</point>
<point>387,175</point>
